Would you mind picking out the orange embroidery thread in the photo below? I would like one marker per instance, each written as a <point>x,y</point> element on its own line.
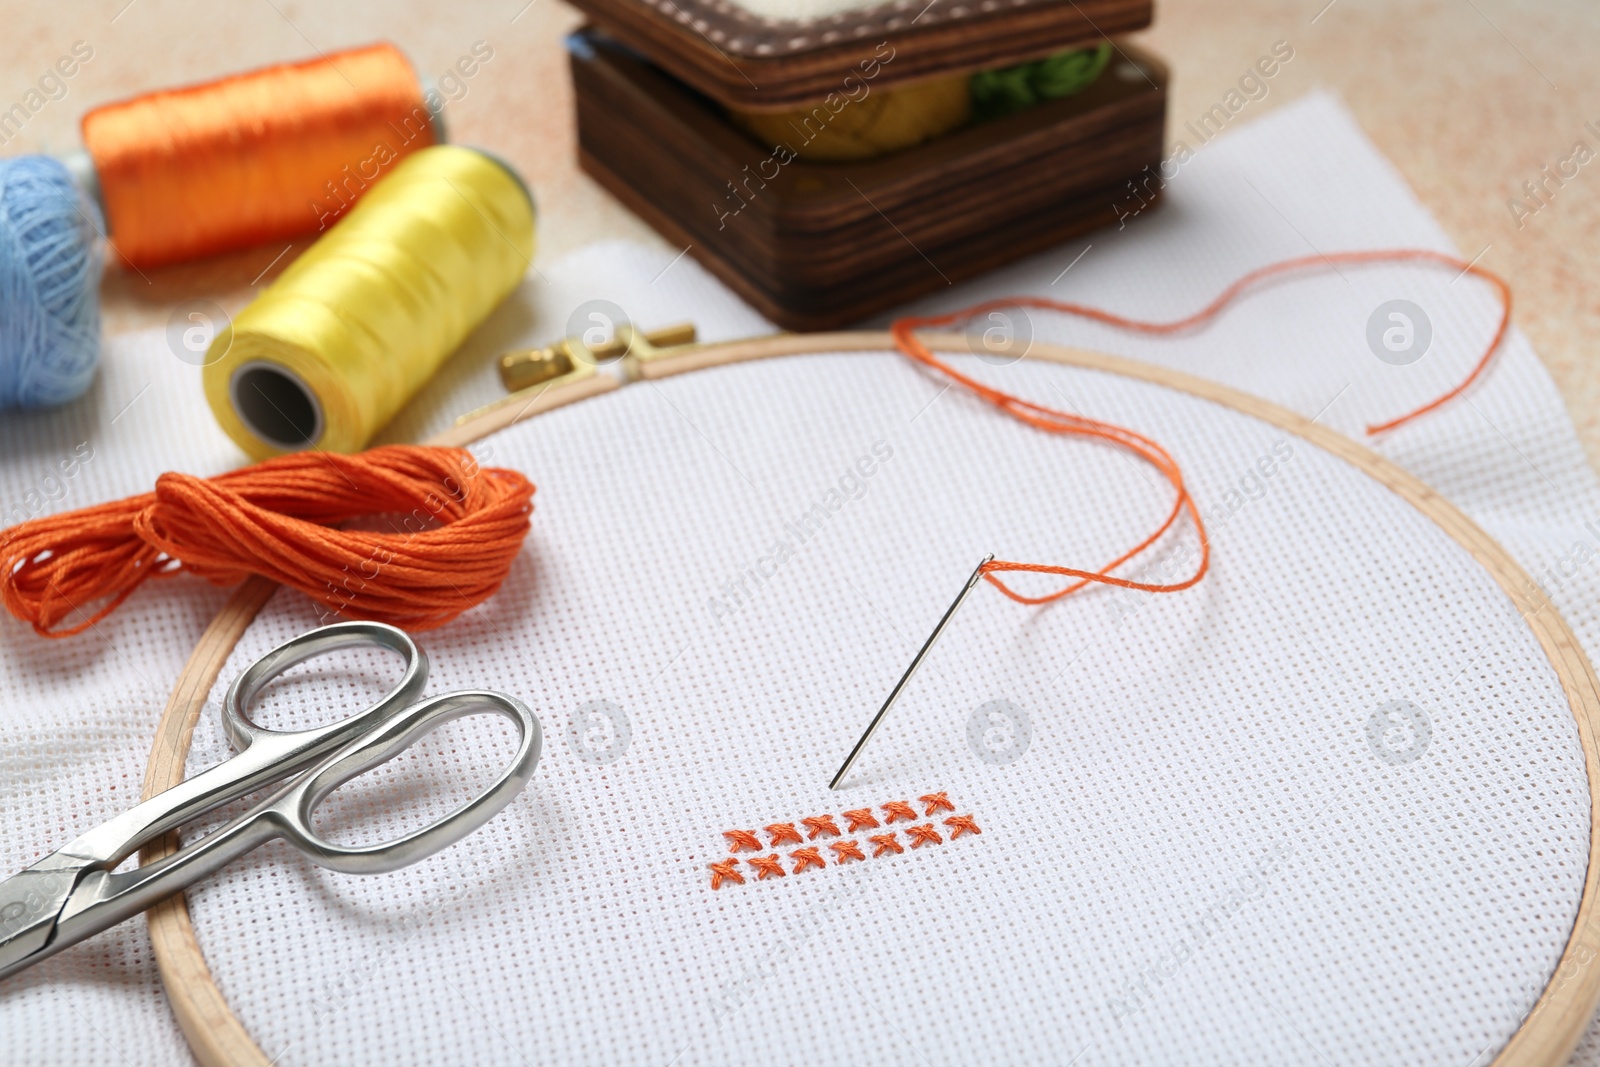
<point>283,519</point>
<point>899,809</point>
<point>725,871</point>
<point>885,843</point>
<point>844,851</point>
<point>820,825</point>
<point>902,328</point>
<point>742,840</point>
<point>962,824</point>
<point>1051,420</point>
<point>807,857</point>
<point>861,819</point>
<point>233,163</point>
<point>767,867</point>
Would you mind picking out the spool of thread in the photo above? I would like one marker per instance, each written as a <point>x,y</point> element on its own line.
<point>354,327</point>
<point>262,156</point>
<point>50,266</point>
<point>175,175</point>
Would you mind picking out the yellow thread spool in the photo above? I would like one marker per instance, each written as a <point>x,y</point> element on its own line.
<point>343,338</point>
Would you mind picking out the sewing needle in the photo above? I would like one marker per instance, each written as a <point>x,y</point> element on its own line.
<point>894,694</point>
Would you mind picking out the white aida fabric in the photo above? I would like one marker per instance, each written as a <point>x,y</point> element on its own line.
<point>1193,851</point>
<point>1214,796</point>
<point>77,716</point>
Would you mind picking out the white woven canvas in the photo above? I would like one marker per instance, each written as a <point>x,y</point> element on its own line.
<point>1391,910</point>
<point>1196,814</point>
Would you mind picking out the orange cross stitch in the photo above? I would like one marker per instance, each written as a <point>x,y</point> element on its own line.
<point>767,866</point>
<point>962,824</point>
<point>819,825</point>
<point>725,870</point>
<point>923,835</point>
<point>782,832</point>
<point>846,850</point>
<point>935,801</point>
<point>742,840</point>
<point>861,819</point>
<point>899,809</point>
<point>885,843</point>
<point>807,857</point>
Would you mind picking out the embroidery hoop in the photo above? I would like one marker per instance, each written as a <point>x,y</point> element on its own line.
<point>1549,1032</point>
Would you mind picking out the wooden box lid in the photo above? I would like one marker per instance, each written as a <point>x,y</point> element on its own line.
<point>743,54</point>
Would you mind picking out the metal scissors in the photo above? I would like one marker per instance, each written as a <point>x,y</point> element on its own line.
<point>75,892</point>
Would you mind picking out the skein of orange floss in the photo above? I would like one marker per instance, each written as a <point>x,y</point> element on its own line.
<point>452,531</point>
<point>263,156</point>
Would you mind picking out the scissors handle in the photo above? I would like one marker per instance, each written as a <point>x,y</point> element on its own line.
<point>264,755</point>
<point>104,899</point>
<point>245,734</point>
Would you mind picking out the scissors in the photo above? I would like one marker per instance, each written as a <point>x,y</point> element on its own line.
<point>75,892</point>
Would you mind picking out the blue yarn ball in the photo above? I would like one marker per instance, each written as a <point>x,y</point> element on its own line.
<point>50,264</point>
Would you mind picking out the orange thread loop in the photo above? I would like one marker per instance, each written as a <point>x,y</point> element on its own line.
<point>1051,420</point>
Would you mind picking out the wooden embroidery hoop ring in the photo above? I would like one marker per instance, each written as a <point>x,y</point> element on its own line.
<point>1549,1032</point>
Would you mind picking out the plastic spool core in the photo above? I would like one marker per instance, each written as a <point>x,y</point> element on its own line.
<point>276,405</point>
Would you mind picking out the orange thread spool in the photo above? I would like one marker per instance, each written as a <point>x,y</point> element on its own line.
<point>263,156</point>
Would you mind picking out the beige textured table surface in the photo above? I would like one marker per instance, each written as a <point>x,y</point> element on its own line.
<point>1469,99</point>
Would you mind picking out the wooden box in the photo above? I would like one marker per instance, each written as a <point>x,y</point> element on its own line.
<point>816,246</point>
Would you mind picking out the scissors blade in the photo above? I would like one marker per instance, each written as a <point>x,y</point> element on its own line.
<point>31,901</point>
